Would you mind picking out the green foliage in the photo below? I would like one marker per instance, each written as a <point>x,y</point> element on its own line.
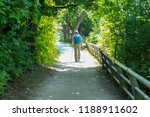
<point>86,26</point>
<point>15,53</point>
<point>46,50</point>
<point>72,19</point>
<point>18,29</point>
<point>4,77</point>
<point>28,32</point>
<point>93,38</point>
<point>124,32</point>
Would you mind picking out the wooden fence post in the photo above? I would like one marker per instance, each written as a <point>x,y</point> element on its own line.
<point>128,80</point>
<point>121,80</point>
<point>134,84</point>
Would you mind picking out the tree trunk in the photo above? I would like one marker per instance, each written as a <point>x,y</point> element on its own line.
<point>66,27</point>
<point>79,20</point>
<point>66,33</point>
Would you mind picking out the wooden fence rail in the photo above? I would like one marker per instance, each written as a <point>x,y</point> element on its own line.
<point>134,85</point>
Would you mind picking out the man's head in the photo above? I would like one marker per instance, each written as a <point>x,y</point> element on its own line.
<point>76,31</point>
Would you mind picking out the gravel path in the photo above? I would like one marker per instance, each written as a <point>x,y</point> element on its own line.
<point>84,80</point>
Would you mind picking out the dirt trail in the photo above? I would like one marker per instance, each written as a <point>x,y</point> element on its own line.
<point>84,80</point>
<point>81,80</point>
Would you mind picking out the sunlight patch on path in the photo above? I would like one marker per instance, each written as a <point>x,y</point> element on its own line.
<point>67,58</point>
<point>77,80</point>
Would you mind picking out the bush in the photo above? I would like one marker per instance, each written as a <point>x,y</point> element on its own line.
<point>18,30</point>
<point>46,49</point>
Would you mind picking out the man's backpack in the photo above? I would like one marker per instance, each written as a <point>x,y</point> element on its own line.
<point>77,39</point>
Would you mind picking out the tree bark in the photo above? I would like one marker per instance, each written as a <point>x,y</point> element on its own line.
<point>66,33</point>
<point>66,27</point>
<point>79,20</point>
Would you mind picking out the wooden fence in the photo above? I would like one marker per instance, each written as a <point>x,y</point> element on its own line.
<point>134,85</point>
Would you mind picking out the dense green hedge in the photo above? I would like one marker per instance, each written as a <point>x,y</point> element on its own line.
<point>46,50</point>
<point>123,29</point>
<point>21,44</point>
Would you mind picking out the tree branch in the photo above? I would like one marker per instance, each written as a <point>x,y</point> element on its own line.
<point>63,7</point>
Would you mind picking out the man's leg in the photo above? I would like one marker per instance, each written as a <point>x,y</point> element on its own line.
<point>75,52</point>
<point>78,49</point>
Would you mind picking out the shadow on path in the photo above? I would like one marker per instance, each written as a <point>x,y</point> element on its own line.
<point>84,80</point>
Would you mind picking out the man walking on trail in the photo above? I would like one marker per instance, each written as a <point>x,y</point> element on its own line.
<point>77,41</point>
